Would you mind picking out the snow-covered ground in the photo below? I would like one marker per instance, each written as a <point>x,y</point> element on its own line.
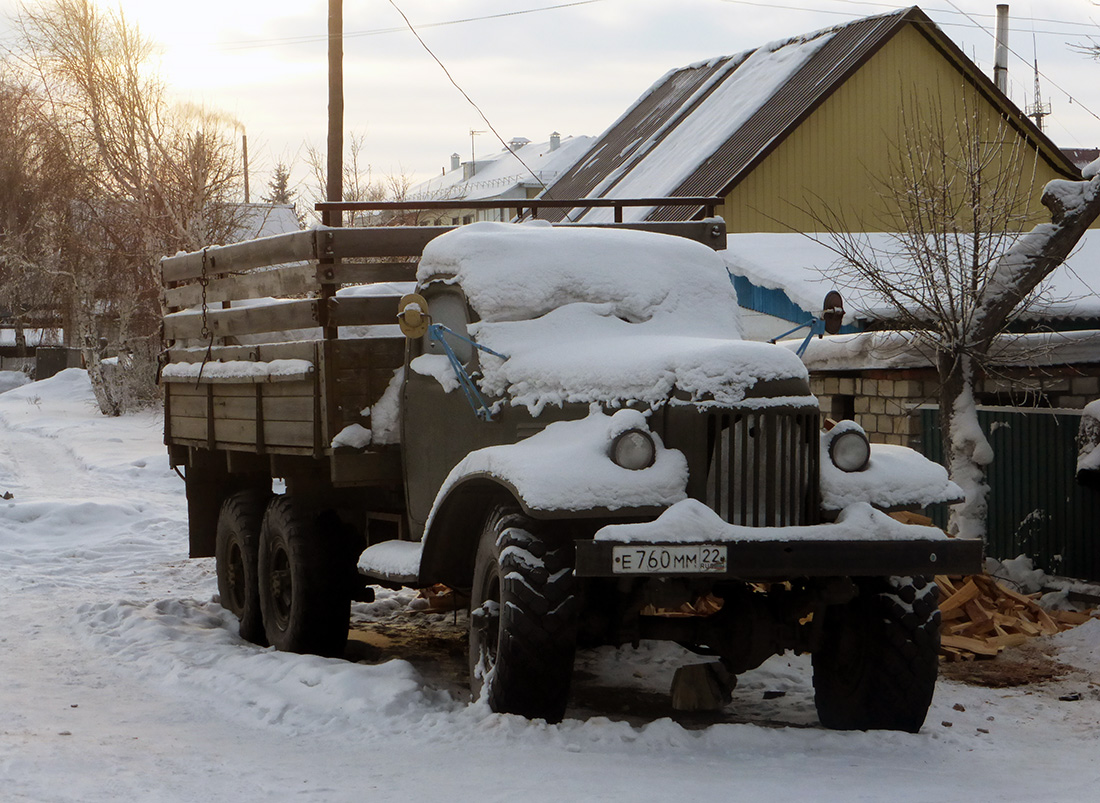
<point>121,678</point>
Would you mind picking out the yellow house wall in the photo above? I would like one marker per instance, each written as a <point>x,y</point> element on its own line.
<point>838,157</point>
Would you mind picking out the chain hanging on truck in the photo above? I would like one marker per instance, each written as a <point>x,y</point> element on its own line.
<point>205,332</point>
<point>469,387</point>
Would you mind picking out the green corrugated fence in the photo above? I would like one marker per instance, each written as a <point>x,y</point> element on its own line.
<point>1036,507</point>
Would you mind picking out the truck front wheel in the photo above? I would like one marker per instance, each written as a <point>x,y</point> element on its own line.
<point>236,551</point>
<point>303,593</point>
<point>879,659</point>
<point>523,617</point>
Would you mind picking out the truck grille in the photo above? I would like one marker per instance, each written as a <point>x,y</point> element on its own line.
<point>764,467</point>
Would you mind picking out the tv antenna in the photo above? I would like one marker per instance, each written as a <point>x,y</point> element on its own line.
<point>1039,110</point>
<point>472,135</point>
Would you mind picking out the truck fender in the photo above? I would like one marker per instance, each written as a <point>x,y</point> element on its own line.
<point>566,471</point>
<point>451,537</point>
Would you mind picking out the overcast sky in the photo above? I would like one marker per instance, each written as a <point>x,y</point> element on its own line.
<point>571,67</point>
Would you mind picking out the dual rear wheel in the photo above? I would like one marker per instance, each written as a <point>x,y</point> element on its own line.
<point>280,570</point>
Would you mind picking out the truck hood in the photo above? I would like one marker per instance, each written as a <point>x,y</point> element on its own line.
<point>583,353</point>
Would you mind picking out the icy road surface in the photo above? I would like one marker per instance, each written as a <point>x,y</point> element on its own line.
<point>122,679</point>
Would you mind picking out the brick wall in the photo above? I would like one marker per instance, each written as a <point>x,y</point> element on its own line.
<point>885,403</point>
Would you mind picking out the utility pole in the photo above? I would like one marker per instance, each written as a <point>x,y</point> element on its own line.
<point>335,189</point>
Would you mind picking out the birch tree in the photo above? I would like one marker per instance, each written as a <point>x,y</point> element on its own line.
<point>159,179</point>
<point>957,267</point>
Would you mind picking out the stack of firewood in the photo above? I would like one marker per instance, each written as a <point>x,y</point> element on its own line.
<point>980,617</point>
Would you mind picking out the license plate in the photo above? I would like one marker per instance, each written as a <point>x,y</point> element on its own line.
<point>687,559</point>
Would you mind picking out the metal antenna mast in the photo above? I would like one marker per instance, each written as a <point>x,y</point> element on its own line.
<point>1039,111</point>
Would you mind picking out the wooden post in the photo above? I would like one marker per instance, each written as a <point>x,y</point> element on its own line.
<point>335,191</point>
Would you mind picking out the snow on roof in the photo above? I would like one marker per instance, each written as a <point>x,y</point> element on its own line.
<point>891,349</point>
<point>805,268</point>
<point>35,337</point>
<point>265,220</point>
<point>726,102</point>
<point>606,315</point>
<point>502,171</point>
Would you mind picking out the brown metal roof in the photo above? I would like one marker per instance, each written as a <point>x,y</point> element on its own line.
<point>619,146</point>
<point>672,101</point>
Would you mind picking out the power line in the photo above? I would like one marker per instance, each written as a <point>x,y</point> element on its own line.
<point>465,95</point>
<point>974,23</point>
<point>298,40</point>
<point>1049,80</point>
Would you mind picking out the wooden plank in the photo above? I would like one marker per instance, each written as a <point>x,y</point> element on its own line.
<point>947,588</point>
<point>977,613</point>
<point>189,428</point>
<point>297,246</point>
<point>234,431</point>
<point>1007,640</point>
<point>274,452</point>
<point>976,646</point>
<point>287,433</point>
<point>1048,625</point>
<point>363,310</point>
<point>968,592</point>
<point>266,352</point>
<point>1072,618</point>
<point>293,389</point>
<point>182,390</point>
<point>243,408</point>
<point>214,378</point>
<point>281,281</point>
<point>381,241</point>
<point>346,273</point>
<point>282,316</point>
<point>188,407</point>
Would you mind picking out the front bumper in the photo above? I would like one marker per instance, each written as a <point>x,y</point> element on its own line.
<point>777,560</point>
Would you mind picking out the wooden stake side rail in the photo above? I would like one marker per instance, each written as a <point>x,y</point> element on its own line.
<point>286,281</point>
<point>297,246</point>
<point>315,245</point>
<point>283,281</point>
<point>283,316</point>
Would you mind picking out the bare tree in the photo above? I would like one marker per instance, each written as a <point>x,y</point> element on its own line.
<point>159,180</point>
<point>358,184</point>
<point>36,182</point>
<point>957,268</point>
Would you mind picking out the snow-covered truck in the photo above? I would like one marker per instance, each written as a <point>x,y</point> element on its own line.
<point>561,423</point>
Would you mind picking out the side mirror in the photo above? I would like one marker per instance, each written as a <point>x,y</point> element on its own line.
<point>412,315</point>
<point>833,313</point>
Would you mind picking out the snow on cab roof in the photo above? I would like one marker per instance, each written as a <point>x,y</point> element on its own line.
<point>588,315</point>
<point>514,272</point>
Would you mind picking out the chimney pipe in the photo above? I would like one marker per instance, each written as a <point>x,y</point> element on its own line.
<point>456,162</point>
<point>244,156</point>
<point>555,141</point>
<point>1000,61</point>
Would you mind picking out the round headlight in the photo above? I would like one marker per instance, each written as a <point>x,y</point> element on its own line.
<point>850,451</point>
<point>633,449</point>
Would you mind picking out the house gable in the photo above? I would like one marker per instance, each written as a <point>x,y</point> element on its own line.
<point>834,157</point>
<point>845,96</point>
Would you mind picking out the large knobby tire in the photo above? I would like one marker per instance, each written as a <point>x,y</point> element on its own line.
<point>879,659</point>
<point>236,555</point>
<point>523,617</point>
<point>303,589</point>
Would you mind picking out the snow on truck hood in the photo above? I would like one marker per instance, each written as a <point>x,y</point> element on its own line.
<point>590,315</point>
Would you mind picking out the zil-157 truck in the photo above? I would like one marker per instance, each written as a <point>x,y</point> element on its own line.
<point>561,423</point>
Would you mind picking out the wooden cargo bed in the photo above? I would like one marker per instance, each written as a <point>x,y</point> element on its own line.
<point>266,359</point>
